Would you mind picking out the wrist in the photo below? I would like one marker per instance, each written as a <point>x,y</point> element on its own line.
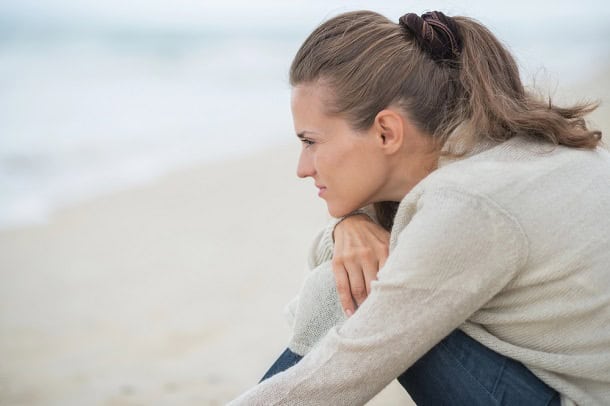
<point>352,214</point>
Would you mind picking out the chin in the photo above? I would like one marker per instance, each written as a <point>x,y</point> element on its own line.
<point>340,210</point>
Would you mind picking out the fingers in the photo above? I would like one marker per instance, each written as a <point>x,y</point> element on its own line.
<point>357,282</point>
<point>361,248</point>
<point>343,288</point>
<point>353,283</point>
<point>369,271</point>
<point>382,255</point>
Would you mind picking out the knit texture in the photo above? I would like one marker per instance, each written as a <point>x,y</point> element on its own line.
<point>317,308</point>
<point>511,245</point>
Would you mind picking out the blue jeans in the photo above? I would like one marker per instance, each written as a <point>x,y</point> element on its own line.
<point>461,371</point>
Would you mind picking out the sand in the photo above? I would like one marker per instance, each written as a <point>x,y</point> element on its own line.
<point>169,293</point>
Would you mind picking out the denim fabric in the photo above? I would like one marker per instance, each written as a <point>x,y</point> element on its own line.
<point>284,361</point>
<point>461,371</point>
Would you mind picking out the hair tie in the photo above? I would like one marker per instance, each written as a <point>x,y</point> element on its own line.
<point>435,33</point>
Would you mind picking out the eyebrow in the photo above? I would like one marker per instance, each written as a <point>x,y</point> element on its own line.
<point>301,135</point>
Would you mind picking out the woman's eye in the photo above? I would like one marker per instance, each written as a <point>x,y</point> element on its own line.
<point>307,142</point>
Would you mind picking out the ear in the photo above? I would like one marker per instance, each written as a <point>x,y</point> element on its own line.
<point>389,129</point>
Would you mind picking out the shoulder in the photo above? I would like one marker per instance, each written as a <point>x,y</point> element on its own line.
<point>538,154</point>
<point>509,171</point>
<point>520,180</point>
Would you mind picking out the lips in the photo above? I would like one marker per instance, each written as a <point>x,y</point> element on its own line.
<point>321,190</point>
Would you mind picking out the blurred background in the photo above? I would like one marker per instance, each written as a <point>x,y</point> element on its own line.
<point>151,223</point>
<point>96,96</point>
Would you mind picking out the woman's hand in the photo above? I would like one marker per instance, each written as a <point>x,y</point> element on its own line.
<point>361,248</point>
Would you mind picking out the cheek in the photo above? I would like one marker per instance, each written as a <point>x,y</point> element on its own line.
<point>343,174</point>
<point>348,167</point>
<point>368,173</point>
<point>355,174</point>
<point>327,163</point>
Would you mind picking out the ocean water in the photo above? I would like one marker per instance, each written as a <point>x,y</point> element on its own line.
<point>84,113</point>
<point>99,97</point>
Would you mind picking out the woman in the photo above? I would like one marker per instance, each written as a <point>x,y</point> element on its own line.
<point>496,289</point>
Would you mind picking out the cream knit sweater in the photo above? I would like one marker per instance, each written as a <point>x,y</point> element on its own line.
<point>511,244</point>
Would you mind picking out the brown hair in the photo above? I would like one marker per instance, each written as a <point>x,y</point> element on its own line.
<point>369,63</point>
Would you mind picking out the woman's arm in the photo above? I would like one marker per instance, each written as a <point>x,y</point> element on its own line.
<point>456,253</point>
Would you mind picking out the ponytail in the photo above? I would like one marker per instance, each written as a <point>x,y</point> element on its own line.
<point>496,106</point>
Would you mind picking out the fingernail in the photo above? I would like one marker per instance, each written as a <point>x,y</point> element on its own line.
<point>349,313</point>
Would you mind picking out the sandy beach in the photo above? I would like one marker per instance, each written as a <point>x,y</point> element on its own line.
<point>170,293</point>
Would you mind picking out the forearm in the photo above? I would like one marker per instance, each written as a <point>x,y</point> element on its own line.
<point>355,361</point>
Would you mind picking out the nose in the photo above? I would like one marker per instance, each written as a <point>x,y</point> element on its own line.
<point>305,166</point>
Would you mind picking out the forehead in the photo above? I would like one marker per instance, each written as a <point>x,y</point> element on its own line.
<point>308,101</point>
<point>317,92</point>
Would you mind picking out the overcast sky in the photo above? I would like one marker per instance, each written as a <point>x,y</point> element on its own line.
<point>291,12</point>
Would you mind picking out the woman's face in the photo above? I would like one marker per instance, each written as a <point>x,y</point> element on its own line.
<point>346,166</point>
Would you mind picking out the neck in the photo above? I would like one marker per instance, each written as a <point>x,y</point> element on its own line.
<point>414,173</point>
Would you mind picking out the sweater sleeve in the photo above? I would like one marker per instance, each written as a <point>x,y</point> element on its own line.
<point>317,311</point>
<point>456,253</point>
<point>317,307</point>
